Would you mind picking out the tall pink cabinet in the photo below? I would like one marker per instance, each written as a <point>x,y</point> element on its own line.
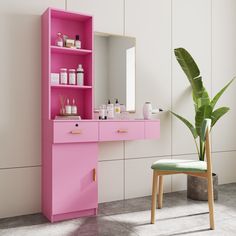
<point>70,147</point>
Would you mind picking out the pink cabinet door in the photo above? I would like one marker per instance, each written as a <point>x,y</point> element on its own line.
<point>74,181</point>
<point>121,130</point>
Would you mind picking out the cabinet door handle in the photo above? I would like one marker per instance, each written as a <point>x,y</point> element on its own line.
<point>94,175</point>
<point>76,132</point>
<point>122,131</point>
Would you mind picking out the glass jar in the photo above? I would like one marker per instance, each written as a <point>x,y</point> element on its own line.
<point>72,76</point>
<point>59,40</point>
<point>63,75</point>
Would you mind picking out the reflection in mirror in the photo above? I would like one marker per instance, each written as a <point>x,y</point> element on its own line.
<point>114,70</point>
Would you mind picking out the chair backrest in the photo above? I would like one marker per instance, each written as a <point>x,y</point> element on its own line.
<point>206,126</point>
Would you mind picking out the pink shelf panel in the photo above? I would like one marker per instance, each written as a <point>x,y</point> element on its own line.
<point>70,86</point>
<point>71,51</point>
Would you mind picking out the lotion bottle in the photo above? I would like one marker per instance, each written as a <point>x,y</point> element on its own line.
<point>110,110</point>
<point>117,108</point>
<point>80,75</point>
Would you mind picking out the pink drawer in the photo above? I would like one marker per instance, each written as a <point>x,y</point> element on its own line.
<point>120,130</point>
<point>73,132</point>
<point>152,129</point>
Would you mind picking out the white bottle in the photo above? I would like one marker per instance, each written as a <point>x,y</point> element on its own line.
<point>80,75</point>
<point>147,110</point>
<point>73,108</point>
<point>72,79</point>
<point>102,112</point>
<point>68,107</point>
<point>63,75</point>
<point>117,109</point>
<point>110,110</point>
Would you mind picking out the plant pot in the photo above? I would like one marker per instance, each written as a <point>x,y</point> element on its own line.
<point>197,188</point>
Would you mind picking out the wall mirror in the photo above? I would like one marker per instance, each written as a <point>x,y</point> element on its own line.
<point>114,69</point>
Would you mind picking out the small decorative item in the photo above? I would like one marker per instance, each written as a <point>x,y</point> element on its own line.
<point>63,75</point>
<point>147,111</point>
<point>55,78</point>
<point>77,42</point>
<point>72,80</point>
<point>70,43</point>
<point>59,40</point>
<point>73,108</point>
<point>68,107</point>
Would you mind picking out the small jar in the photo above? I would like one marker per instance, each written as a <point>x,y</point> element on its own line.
<point>63,75</point>
<point>72,76</point>
<point>59,40</point>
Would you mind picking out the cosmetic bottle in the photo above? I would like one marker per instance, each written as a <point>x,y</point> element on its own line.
<point>59,40</point>
<point>110,110</point>
<point>117,108</point>
<point>102,112</point>
<point>72,79</point>
<point>80,75</point>
<point>63,75</point>
<point>73,108</point>
<point>68,107</point>
<point>77,42</point>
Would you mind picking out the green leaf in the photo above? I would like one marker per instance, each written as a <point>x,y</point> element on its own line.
<point>188,124</point>
<point>202,113</point>
<point>187,63</point>
<point>218,95</point>
<point>217,114</point>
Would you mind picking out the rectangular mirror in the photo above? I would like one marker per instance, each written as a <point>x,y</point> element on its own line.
<point>115,69</point>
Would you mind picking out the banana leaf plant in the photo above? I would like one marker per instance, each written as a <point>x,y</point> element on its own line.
<point>203,105</point>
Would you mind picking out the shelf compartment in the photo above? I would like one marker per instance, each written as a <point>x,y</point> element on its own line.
<point>70,86</point>
<point>72,51</point>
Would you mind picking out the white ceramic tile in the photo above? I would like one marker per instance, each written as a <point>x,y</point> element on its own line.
<point>138,178</point>
<point>20,191</point>
<point>110,181</point>
<point>108,14</point>
<point>179,182</point>
<point>111,151</point>
<point>20,98</point>
<point>223,70</point>
<point>224,164</point>
<point>194,34</point>
<point>150,23</point>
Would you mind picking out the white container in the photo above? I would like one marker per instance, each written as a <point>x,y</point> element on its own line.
<point>147,111</point>
<point>63,75</point>
<point>73,108</point>
<point>80,75</point>
<point>68,107</point>
<point>110,111</point>
<point>55,78</point>
<point>72,79</point>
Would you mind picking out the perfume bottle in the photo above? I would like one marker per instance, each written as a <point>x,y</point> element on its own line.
<point>59,40</point>
<point>77,42</point>
<point>68,107</point>
<point>73,107</point>
<point>80,75</point>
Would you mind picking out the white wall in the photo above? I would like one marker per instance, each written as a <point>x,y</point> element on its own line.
<point>124,167</point>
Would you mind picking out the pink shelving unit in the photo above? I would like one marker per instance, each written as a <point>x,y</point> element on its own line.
<point>70,147</point>
<point>54,58</point>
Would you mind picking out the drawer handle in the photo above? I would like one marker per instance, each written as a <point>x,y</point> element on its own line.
<point>122,131</point>
<point>94,175</point>
<point>76,132</point>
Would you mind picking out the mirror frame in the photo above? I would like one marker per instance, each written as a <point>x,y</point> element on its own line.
<point>98,33</point>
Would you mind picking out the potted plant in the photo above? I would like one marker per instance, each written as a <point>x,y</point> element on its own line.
<point>204,108</point>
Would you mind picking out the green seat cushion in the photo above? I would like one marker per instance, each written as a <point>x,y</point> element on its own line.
<point>180,165</point>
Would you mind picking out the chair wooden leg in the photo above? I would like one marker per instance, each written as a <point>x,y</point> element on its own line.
<point>211,201</point>
<point>160,192</point>
<point>154,197</point>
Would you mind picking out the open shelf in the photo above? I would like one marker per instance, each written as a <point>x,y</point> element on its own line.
<point>72,51</point>
<point>70,86</point>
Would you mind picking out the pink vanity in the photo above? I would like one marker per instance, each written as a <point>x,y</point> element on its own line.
<point>70,147</point>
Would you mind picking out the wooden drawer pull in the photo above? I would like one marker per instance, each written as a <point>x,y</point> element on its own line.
<point>122,131</point>
<point>94,175</point>
<point>76,132</point>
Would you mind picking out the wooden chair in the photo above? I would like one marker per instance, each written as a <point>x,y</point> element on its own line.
<point>195,168</point>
